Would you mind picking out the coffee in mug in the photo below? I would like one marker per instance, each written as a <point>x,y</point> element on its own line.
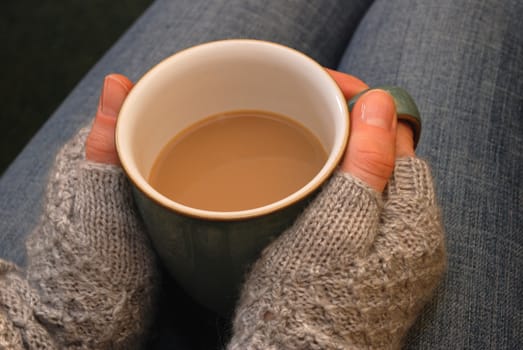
<point>237,160</point>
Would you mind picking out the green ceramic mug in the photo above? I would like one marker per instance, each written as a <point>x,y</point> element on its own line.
<point>208,252</point>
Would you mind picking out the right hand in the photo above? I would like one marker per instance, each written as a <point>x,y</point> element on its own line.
<point>376,137</point>
<point>356,267</point>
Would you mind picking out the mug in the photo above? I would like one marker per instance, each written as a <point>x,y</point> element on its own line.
<point>209,252</point>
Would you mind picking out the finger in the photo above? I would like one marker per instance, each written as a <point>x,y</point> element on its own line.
<point>115,90</point>
<point>404,140</point>
<point>371,149</point>
<point>349,85</point>
<point>100,145</point>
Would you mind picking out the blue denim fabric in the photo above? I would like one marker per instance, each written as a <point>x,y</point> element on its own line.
<point>463,63</point>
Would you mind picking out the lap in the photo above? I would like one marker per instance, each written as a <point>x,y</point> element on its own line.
<point>318,28</point>
<point>462,62</point>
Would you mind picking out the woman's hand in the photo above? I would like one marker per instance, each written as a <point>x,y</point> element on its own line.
<point>376,137</point>
<point>357,266</point>
<point>100,146</point>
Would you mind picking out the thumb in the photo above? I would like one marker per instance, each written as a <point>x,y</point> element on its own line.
<point>371,149</point>
<point>100,145</point>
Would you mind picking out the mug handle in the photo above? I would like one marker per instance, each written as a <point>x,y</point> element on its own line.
<point>406,108</point>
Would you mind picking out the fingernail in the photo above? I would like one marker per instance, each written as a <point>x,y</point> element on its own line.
<point>378,109</point>
<point>113,94</point>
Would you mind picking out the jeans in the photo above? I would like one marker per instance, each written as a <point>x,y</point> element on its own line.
<point>463,63</point>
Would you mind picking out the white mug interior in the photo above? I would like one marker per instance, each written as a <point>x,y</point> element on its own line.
<point>226,76</point>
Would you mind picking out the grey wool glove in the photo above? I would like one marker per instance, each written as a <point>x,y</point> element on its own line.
<point>352,273</point>
<point>91,275</point>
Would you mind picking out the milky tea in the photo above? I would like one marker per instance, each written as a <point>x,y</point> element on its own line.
<point>236,161</point>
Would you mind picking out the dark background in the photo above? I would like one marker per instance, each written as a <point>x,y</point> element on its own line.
<point>47,47</point>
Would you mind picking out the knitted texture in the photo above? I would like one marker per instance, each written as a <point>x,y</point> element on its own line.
<point>91,277</point>
<point>353,272</point>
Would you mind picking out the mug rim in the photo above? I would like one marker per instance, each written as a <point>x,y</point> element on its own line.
<point>146,189</point>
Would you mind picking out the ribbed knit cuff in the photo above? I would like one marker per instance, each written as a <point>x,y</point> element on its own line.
<point>411,178</point>
<point>103,205</point>
<point>105,184</point>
